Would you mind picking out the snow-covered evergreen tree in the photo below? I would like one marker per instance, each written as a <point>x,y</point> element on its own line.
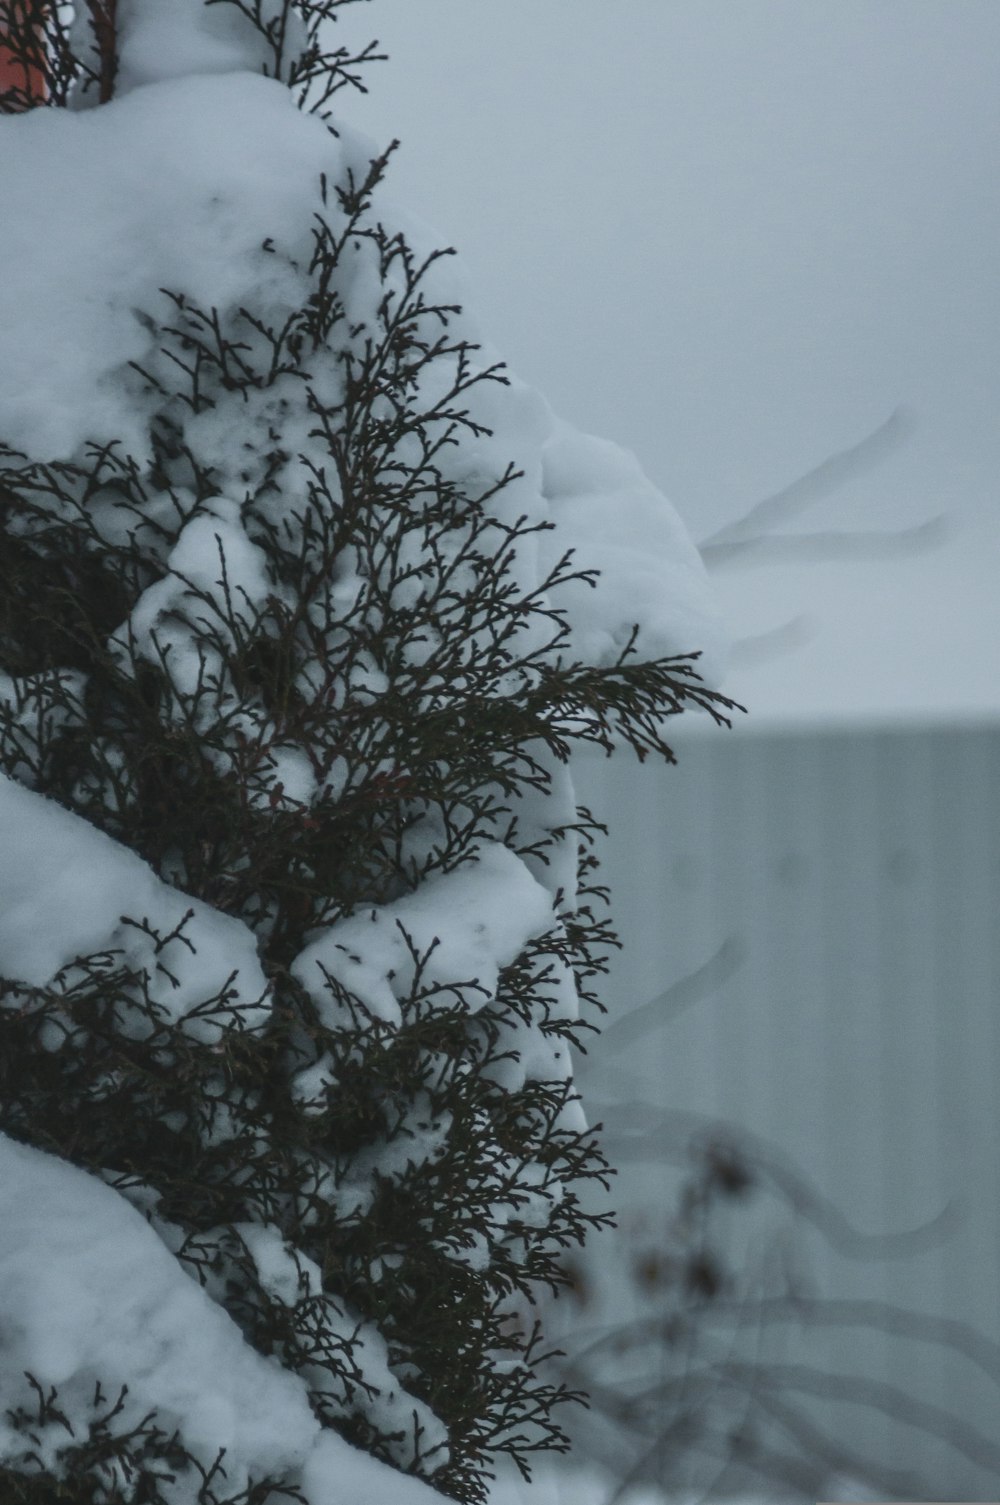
<point>300,620</point>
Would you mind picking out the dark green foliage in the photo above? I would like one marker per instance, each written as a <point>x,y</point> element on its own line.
<point>135,1466</point>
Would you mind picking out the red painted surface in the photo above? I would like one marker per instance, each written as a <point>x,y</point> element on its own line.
<point>15,73</point>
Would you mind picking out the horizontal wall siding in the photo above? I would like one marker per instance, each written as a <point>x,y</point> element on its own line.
<point>850,1026</point>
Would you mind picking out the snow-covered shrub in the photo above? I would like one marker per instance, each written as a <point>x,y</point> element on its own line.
<point>294,648</point>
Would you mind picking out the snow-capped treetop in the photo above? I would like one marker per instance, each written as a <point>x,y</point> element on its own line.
<point>178,184</point>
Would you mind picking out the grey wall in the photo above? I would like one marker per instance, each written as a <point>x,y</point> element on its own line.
<point>852,1031</point>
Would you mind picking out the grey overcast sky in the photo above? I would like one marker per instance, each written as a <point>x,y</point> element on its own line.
<point>734,236</point>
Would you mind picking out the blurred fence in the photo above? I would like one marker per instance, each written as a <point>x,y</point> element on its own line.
<point>811,972</point>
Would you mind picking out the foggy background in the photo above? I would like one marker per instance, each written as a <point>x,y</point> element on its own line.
<point>736,237</point>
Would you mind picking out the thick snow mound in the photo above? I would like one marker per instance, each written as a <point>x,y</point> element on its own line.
<point>67,890</point>
<point>91,1294</point>
<point>90,239</point>
<point>464,925</point>
<point>157,42</point>
<point>606,509</point>
<point>93,205</point>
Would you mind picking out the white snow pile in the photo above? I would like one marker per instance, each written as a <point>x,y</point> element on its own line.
<point>177,184</point>
<point>494,906</point>
<point>652,575</point>
<point>157,41</point>
<point>458,930</point>
<point>91,1296</point>
<point>67,891</point>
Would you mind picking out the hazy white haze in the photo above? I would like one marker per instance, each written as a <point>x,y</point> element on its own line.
<point>736,239</point>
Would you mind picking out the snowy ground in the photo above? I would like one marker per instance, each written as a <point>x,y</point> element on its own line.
<point>580,1487</point>
<point>576,1486</point>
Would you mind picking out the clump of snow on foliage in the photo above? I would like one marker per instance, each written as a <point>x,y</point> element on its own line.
<point>69,891</point>
<point>459,928</point>
<point>606,509</point>
<point>187,37</point>
<point>90,1295</point>
<point>217,580</point>
<point>160,41</point>
<point>176,185</point>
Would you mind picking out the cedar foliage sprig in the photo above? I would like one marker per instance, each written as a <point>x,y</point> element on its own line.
<point>423,1200</point>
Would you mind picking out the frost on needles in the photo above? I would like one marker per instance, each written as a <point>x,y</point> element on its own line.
<point>305,602</point>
